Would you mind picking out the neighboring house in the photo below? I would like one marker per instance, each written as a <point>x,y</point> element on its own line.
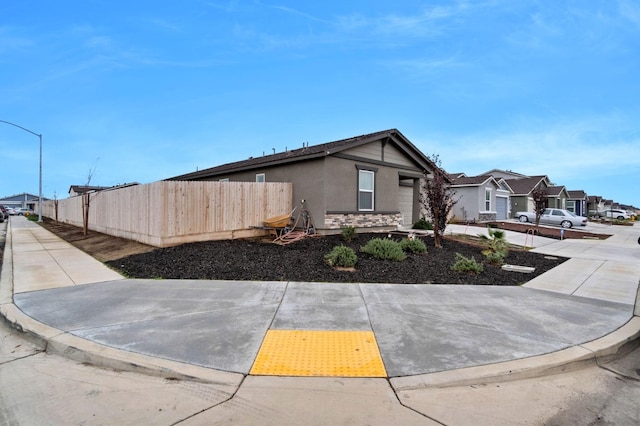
<point>453,176</point>
<point>595,204</point>
<point>522,192</point>
<point>479,198</point>
<point>505,174</point>
<point>368,181</point>
<point>75,190</point>
<point>557,197</point>
<point>21,201</point>
<point>577,202</point>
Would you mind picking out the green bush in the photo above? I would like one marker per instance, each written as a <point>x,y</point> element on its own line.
<point>348,232</point>
<point>415,245</point>
<point>423,224</point>
<point>495,258</point>
<point>384,249</point>
<point>341,256</point>
<point>497,246</point>
<point>466,265</point>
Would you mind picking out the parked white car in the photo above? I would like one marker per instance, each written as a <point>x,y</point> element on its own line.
<point>560,217</point>
<point>615,214</point>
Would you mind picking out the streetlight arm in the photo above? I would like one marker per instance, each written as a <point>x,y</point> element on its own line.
<point>20,127</point>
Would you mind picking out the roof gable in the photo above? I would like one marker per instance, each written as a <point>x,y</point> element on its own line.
<point>524,186</point>
<point>21,197</point>
<point>556,191</point>
<point>506,174</point>
<point>474,181</point>
<point>577,194</point>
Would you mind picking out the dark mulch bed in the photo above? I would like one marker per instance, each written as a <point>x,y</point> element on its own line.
<point>304,261</point>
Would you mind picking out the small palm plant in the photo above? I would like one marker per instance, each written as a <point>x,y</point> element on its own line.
<point>496,245</point>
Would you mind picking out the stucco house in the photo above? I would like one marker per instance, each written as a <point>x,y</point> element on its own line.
<point>522,196</point>
<point>21,201</point>
<point>75,190</point>
<point>577,202</point>
<point>595,204</point>
<point>557,197</point>
<point>367,181</point>
<point>505,174</point>
<point>480,198</point>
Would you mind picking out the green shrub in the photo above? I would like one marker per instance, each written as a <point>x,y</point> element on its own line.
<point>466,265</point>
<point>494,258</point>
<point>348,232</point>
<point>423,224</point>
<point>497,246</point>
<point>415,245</point>
<point>384,249</point>
<point>341,256</point>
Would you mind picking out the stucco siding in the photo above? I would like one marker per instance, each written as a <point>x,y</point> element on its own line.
<point>521,204</point>
<point>467,206</point>
<point>341,182</point>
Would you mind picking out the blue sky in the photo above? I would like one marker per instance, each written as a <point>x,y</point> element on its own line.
<point>139,91</point>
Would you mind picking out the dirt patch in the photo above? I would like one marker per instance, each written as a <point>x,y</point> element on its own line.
<point>101,246</point>
<point>545,231</point>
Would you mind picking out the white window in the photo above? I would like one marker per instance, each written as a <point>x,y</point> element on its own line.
<point>366,185</point>
<point>224,180</point>
<point>487,200</point>
<point>260,177</point>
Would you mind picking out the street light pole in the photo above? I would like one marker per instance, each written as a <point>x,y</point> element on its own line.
<point>40,168</point>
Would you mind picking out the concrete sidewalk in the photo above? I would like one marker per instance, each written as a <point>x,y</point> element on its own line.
<point>426,335</point>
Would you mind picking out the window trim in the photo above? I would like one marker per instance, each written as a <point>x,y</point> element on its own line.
<point>371,191</point>
<point>259,175</point>
<point>487,192</point>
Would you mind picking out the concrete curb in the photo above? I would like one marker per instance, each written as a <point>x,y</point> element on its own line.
<point>6,278</point>
<point>605,349</point>
<point>60,343</point>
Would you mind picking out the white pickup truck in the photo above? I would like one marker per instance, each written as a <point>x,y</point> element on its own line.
<point>560,217</point>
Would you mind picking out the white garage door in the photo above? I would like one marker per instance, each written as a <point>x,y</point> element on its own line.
<point>405,196</point>
<point>501,208</point>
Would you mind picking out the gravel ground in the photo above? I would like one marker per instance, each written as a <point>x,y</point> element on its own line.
<point>303,260</point>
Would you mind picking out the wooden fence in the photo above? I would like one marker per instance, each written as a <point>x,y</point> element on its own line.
<point>167,213</point>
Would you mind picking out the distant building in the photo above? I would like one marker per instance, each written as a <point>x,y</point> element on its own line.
<point>75,190</point>
<point>21,201</point>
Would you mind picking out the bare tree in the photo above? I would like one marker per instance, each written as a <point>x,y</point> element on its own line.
<point>86,201</point>
<point>436,197</point>
<point>540,196</point>
<point>55,205</point>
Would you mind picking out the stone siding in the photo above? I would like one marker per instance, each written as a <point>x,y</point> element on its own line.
<point>487,217</point>
<point>362,220</point>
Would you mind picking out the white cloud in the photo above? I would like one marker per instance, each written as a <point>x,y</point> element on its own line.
<point>10,40</point>
<point>560,150</point>
<point>630,11</point>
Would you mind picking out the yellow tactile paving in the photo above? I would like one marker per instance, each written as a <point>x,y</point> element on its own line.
<point>319,353</point>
